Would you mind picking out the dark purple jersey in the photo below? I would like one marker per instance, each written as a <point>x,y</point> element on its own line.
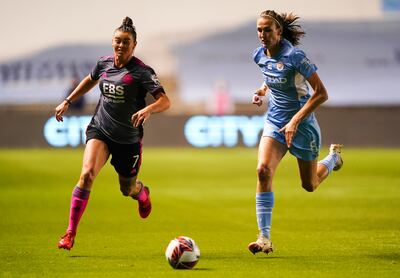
<point>123,92</point>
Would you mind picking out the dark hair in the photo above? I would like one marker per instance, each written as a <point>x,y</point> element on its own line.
<point>127,26</point>
<point>291,30</point>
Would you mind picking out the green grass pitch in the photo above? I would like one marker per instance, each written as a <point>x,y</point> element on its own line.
<point>349,227</point>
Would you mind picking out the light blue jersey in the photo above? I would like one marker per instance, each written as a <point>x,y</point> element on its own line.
<point>285,75</point>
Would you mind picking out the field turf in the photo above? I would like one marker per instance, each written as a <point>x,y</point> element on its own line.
<point>349,227</point>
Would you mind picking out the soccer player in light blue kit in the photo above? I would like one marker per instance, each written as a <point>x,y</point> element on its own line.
<point>290,121</point>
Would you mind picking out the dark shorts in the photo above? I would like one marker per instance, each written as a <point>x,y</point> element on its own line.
<point>126,158</point>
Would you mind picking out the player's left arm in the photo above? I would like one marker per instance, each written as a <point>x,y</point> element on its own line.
<point>320,96</point>
<point>161,104</point>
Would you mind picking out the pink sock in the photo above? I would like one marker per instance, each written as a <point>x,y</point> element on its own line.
<point>142,196</point>
<point>79,201</point>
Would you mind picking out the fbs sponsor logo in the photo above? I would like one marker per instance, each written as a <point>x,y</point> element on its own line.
<point>112,90</point>
<point>113,93</point>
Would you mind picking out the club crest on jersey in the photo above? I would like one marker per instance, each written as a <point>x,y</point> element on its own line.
<point>279,66</point>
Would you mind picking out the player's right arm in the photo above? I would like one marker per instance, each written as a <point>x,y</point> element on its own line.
<point>257,97</point>
<point>84,86</point>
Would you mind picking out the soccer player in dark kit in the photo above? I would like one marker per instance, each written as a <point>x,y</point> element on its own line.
<point>116,128</point>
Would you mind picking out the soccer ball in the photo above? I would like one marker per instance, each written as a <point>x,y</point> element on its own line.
<point>182,253</point>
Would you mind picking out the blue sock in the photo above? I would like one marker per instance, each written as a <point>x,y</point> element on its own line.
<point>329,161</point>
<point>264,205</point>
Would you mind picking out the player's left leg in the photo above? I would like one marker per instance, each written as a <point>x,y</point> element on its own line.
<point>312,173</point>
<point>138,191</point>
<point>305,146</point>
<point>127,159</point>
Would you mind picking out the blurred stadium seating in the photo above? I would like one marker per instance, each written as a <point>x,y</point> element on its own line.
<point>359,63</point>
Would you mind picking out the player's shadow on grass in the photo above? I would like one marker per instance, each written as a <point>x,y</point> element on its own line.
<point>200,269</point>
<point>271,257</point>
<point>196,269</point>
<point>91,256</point>
<point>386,256</point>
<point>87,256</point>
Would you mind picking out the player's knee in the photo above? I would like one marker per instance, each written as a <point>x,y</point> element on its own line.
<point>125,190</point>
<point>309,187</point>
<point>126,187</point>
<point>264,173</point>
<point>87,178</point>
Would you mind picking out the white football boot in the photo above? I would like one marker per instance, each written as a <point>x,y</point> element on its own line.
<point>337,149</point>
<point>263,244</point>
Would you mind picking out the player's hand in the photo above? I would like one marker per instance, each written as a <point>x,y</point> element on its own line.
<point>290,130</point>
<point>257,100</point>
<point>140,117</point>
<point>259,94</point>
<point>60,110</point>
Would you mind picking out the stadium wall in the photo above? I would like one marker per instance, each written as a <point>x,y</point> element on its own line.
<point>352,126</point>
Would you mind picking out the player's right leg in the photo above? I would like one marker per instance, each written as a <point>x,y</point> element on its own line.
<point>262,244</point>
<point>95,156</point>
<point>270,154</point>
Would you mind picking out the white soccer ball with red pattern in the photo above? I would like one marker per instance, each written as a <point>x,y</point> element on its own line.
<point>182,253</point>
